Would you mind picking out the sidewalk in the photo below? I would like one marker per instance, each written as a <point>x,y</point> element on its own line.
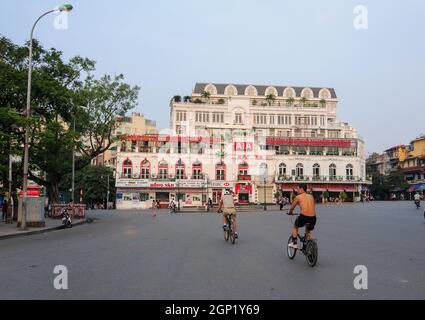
<point>11,231</point>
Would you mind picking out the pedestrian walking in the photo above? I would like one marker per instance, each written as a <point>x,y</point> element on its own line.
<point>154,208</point>
<point>281,203</point>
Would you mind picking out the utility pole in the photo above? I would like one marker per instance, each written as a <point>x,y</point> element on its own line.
<point>107,192</point>
<point>265,194</point>
<point>10,202</point>
<point>73,165</point>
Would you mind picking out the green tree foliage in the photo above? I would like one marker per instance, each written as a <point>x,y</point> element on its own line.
<point>62,91</point>
<point>92,180</point>
<point>383,185</point>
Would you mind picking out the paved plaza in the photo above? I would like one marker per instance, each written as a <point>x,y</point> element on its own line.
<point>131,255</point>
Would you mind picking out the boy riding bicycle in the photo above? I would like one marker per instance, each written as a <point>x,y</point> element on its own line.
<point>307,216</point>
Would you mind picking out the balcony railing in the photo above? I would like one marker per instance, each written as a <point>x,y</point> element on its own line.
<point>244,177</point>
<point>317,178</point>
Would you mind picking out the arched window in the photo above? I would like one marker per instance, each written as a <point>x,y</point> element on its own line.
<point>211,89</point>
<point>163,170</point>
<point>332,172</point>
<point>145,169</point>
<point>324,94</point>
<point>251,91</point>
<point>243,169</point>
<point>307,93</point>
<point>350,172</point>
<point>271,90</point>
<point>220,171</point>
<point>282,170</point>
<point>300,170</point>
<point>197,170</point>
<point>316,171</point>
<point>231,90</point>
<point>180,170</point>
<point>289,93</point>
<point>127,168</point>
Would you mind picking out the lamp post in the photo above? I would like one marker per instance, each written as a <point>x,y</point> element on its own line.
<point>73,166</point>
<point>107,193</point>
<point>66,8</point>
<point>265,194</point>
<point>178,195</point>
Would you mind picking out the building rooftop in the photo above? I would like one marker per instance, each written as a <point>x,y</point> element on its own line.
<point>261,89</point>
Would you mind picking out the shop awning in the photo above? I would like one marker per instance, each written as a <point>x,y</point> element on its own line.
<point>340,189</point>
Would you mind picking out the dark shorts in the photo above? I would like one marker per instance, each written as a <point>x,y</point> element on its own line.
<point>302,221</point>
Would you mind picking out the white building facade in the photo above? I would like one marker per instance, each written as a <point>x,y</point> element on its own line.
<point>258,141</point>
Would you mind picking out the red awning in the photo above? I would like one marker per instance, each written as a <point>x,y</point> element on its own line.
<point>342,188</point>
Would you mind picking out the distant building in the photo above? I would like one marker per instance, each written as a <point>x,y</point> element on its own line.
<point>255,140</point>
<point>134,125</point>
<point>413,166</point>
<point>410,160</point>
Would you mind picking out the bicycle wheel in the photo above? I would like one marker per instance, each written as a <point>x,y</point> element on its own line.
<point>292,252</point>
<point>226,235</point>
<point>232,237</point>
<point>311,253</point>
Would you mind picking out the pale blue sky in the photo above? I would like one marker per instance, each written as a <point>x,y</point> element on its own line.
<point>165,46</point>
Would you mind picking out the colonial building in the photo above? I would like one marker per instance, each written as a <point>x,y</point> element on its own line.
<point>255,140</point>
<point>135,124</point>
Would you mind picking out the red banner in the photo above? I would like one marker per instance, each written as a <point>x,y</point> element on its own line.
<point>308,142</point>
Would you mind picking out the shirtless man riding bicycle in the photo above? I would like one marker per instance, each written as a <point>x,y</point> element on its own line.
<point>307,216</point>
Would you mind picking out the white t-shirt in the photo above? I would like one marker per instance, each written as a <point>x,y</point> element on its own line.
<point>417,197</point>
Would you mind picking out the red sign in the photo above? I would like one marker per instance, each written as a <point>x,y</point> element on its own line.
<point>308,142</point>
<point>158,138</point>
<point>32,191</point>
<point>242,187</point>
<point>243,146</point>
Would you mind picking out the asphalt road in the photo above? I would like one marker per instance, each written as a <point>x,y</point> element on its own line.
<point>130,255</point>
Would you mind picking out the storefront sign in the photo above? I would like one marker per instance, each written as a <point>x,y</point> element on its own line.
<point>162,185</point>
<point>192,184</point>
<point>132,183</point>
<point>219,184</point>
<point>243,146</point>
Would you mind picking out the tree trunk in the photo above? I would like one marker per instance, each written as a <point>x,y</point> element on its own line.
<point>53,192</point>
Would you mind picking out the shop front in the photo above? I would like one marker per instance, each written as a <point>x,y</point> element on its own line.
<point>217,190</point>
<point>140,194</point>
<point>323,192</point>
<point>244,193</point>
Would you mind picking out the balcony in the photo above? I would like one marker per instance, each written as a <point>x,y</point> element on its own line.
<point>244,177</point>
<point>322,179</point>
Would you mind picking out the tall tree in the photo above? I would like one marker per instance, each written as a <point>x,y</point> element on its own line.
<point>62,92</point>
<point>93,182</point>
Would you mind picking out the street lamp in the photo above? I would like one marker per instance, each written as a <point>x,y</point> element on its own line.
<point>73,166</point>
<point>63,8</point>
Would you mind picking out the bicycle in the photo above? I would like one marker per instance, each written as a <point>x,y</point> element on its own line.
<point>308,247</point>
<point>229,234</point>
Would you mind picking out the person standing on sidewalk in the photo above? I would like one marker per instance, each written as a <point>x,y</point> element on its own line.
<point>4,209</point>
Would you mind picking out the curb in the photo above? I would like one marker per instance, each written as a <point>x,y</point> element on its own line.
<point>31,233</point>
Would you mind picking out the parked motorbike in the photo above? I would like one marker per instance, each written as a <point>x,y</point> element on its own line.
<point>66,219</point>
